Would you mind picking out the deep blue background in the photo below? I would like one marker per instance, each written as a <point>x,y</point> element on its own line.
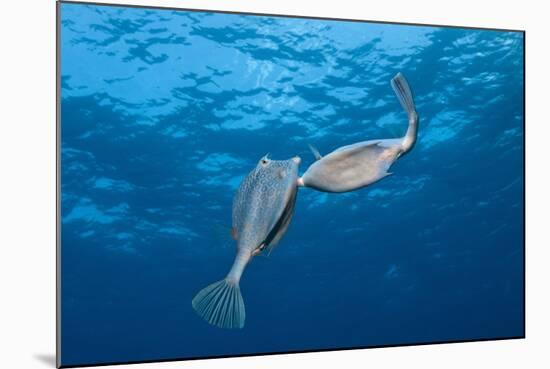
<point>164,112</point>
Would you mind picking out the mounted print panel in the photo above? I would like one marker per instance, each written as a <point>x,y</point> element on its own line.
<point>241,184</point>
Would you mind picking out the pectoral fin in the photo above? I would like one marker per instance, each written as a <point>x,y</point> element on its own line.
<point>234,234</point>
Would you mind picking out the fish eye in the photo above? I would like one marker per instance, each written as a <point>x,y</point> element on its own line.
<point>264,161</point>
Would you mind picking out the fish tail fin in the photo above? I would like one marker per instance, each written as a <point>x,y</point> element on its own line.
<point>403,92</point>
<point>221,304</point>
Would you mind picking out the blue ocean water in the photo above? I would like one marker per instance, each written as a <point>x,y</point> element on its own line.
<point>164,112</point>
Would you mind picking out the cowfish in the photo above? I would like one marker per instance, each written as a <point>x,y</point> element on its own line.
<point>355,166</point>
<point>262,210</point>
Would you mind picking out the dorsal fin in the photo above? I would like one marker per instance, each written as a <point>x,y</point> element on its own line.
<point>315,152</point>
<point>282,224</point>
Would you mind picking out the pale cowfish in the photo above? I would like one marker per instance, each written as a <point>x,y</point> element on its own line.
<point>361,164</point>
<point>262,209</point>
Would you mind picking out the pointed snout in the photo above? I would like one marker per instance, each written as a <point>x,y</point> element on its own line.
<point>297,159</point>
